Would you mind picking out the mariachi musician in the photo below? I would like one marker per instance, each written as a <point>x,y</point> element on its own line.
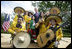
<point>52,22</point>
<point>21,38</point>
<point>18,23</point>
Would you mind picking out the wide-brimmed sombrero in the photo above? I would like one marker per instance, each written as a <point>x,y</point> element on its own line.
<point>54,9</point>
<point>57,18</point>
<point>16,9</point>
<point>31,12</point>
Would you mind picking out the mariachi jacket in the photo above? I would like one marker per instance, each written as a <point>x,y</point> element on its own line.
<point>59,33</point>
<point>13,27</point>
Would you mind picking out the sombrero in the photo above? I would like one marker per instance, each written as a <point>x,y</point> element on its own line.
<point>31,13</point>
<point>21,40</point>
<point>57,18</point>
<point>54,9</point>
<point>16,9</point>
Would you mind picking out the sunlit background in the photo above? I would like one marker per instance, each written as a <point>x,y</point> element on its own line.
<point>8,6</point>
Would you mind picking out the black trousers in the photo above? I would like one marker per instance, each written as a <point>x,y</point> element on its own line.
<point>37,31</point>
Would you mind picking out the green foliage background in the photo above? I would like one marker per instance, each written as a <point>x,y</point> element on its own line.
<point>65,12</point>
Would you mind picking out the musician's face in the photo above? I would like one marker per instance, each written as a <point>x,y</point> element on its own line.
<point>54,12</point>
<point>53,22</point>
<point>19,12</point>
<point>42,14</point>
<point>47,13</point>
<point>33,17</point>
<point>36,10</point>
<point>27,13</point>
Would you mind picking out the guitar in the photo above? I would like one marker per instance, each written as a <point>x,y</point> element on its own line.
<point>43,38</point>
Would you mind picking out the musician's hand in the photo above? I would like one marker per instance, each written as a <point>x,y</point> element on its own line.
<point>40,21</point>
<point>14,33</point>
<point>17,30</point>
<point>36,25</point>
<point>24,31</point>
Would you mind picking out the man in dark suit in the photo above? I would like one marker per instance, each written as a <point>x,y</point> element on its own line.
<point>36,15</point>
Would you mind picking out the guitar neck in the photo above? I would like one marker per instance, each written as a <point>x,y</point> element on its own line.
<point>56,28</point>
<point>64,24</point>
